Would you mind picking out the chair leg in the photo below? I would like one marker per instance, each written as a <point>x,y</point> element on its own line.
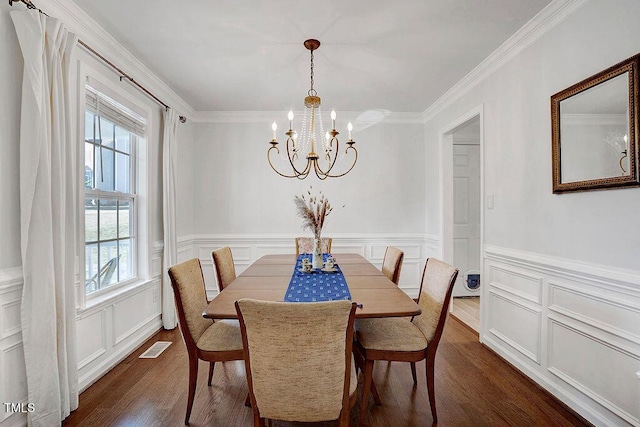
<point>366,388</point>
<point>257,421</point>
<point>357,357</point>
<point>413,373</point>
<point>430,387</point>
<point>374,393</point>
<point>211,365</point>
<point>343,421</point>
<point>193,377</point>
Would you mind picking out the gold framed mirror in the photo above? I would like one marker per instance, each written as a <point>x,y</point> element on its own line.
<point>594,131</point>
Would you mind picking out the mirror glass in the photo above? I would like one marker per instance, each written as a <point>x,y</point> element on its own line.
<point>594,131</point>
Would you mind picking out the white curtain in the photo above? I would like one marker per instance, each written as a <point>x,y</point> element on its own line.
<point>48,204</point>
<point>169,176</point>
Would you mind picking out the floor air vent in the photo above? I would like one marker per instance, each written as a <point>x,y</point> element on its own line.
<point>155,350</point>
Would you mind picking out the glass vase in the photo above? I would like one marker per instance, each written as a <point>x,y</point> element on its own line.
<point>317,253</point>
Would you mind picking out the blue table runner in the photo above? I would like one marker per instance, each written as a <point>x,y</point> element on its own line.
<point>317,285</point>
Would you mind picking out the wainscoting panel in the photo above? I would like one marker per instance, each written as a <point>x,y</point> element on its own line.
<point>515,323</point>
<point>341,248</point>
<point>600,370</point>
<point>108,332</point>
<point>10,298</point>
<point>587,320</point>
<point>93,328</point>
<point>262,250</point>
<point>516,282</point>
<point>248,248</point>
<point>617,316</point>
<point>135,312</point>
<point>14,381</point>
<point>185,249</point>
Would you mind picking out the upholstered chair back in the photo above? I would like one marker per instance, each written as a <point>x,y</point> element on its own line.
<point>225,269</point>
<point>435,293</point>
<point>191,299</point>
<point>392,263</point>
<point>304,245</point>
<point>298,357</point>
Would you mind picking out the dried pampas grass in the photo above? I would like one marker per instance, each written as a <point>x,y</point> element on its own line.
<point>313,211</point>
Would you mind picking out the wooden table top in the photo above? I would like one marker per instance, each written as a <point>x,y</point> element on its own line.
<point>268,279</point>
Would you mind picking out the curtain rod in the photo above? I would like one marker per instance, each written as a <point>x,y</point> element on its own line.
<point>123,75</point>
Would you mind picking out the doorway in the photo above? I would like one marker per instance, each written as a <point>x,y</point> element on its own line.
<point>462,214</point>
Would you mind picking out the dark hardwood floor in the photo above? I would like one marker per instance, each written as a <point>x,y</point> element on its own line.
<point>474,387</point>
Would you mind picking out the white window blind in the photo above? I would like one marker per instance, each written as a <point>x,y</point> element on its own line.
<point>115,112</point>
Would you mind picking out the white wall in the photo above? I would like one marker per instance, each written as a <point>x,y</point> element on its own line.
<point>561,288</point>
<point>237,192</point>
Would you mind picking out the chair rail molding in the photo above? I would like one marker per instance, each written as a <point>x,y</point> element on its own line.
<point>551,317</point>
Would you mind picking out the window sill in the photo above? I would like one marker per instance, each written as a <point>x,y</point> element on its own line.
<point>114,294</point>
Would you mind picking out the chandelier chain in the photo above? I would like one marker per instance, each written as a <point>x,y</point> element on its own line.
<point>312,91</point>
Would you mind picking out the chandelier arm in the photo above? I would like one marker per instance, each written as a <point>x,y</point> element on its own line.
<point>319,172</point>
<point>293,166</point>
<point>271,164</point>
<point>335,156</point>
<point>305,172</point>
<point>355,160</point>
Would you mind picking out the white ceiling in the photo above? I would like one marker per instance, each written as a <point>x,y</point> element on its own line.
<point>399,55</point>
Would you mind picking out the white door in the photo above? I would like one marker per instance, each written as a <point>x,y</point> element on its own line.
<point>466,215</point>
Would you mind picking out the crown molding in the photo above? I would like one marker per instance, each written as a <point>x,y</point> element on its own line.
<point>547,19</point>
<point>89,31</point>
<point>367,117</point>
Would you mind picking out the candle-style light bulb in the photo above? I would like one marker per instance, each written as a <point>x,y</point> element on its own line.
<point>326,135</point>
<point>274,126</point>
<point>626,142</point>
<point>333,119</point>
<point>290,116</point>
<point>349,128</point>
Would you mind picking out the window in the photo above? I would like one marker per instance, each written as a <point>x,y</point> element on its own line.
<point>110,212</point>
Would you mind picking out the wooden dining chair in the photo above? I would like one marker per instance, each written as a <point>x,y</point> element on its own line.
<point>392,263</point>
<point>205,340</point>
<point>304,245</point>
<point>299,360</point>
<point>403,340</point>
<point>225,269</point>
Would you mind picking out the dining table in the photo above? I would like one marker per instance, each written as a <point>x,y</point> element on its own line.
<point>269,278</point>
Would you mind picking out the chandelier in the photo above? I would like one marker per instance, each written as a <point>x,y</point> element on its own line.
<point>313,139</point>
